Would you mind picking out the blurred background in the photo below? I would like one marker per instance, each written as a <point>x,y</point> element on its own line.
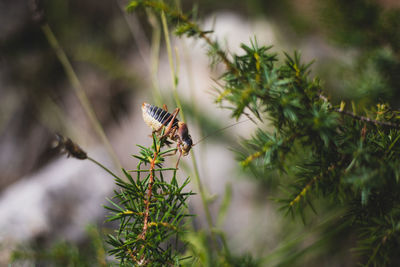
<point>51,206</point>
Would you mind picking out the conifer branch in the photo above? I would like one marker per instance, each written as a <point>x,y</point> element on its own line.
<point>150,211</point>
<point>308,186</point>
<point>369,120</point>
<point>252,157</point>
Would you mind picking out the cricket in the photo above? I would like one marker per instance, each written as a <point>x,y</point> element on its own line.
<point>176,130</point>
<point>158,118</point>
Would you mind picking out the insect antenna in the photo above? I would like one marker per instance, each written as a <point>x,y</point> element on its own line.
<point>221,129</point>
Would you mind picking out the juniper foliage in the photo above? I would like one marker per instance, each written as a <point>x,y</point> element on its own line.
<point>320,152</point>
<point>150,209</point>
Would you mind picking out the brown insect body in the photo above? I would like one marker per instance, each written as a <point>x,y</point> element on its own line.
<point>176,130</point>
<point>67,146</point>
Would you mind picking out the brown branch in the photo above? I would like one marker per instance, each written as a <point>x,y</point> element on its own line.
<point>149,194</point>
<point>146,215</point>
<point>369,120</point>
<point>362,118</point>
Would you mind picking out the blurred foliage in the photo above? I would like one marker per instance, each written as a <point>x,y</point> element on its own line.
<point>200,253</point>
<point>371,28</point>
<point>374,76</point>
<point>35,92</point>
<point>63,253</point>
<point>361,23</point>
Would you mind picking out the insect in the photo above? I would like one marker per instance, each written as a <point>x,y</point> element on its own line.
<point>67,146</point>
<point>176,130</point>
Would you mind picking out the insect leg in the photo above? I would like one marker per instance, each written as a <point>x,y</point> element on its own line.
<point>169,126</point>
<point>178,148</point>
<point>180,153</point>
<point>165,107</point>
<point>173,137</point>
<point>173,153</point>
<point>172,134</point>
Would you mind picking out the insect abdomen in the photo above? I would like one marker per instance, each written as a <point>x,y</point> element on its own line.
<point>156,117</point>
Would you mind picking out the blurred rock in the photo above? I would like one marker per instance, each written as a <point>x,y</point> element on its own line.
<point>58,201</point>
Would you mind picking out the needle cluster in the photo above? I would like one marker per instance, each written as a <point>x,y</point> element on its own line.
<point>150,209</point>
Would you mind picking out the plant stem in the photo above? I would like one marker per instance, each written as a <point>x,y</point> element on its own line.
<point>176,96</point>
<point>147,201</point>
<point>171,64</point>
<point>155,56</point>
<point>80,93</point>
<point>103,167</point>
<point>143,45</point>
<point>149,194</point>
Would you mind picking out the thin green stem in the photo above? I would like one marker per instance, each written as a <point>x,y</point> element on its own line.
<point>155,56</point>
<point>103,167</point>
<point>192,85</point>
<point>192,155</point>
<point>80,93</point>
<point>142,44</point>
<point>171,64</point>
